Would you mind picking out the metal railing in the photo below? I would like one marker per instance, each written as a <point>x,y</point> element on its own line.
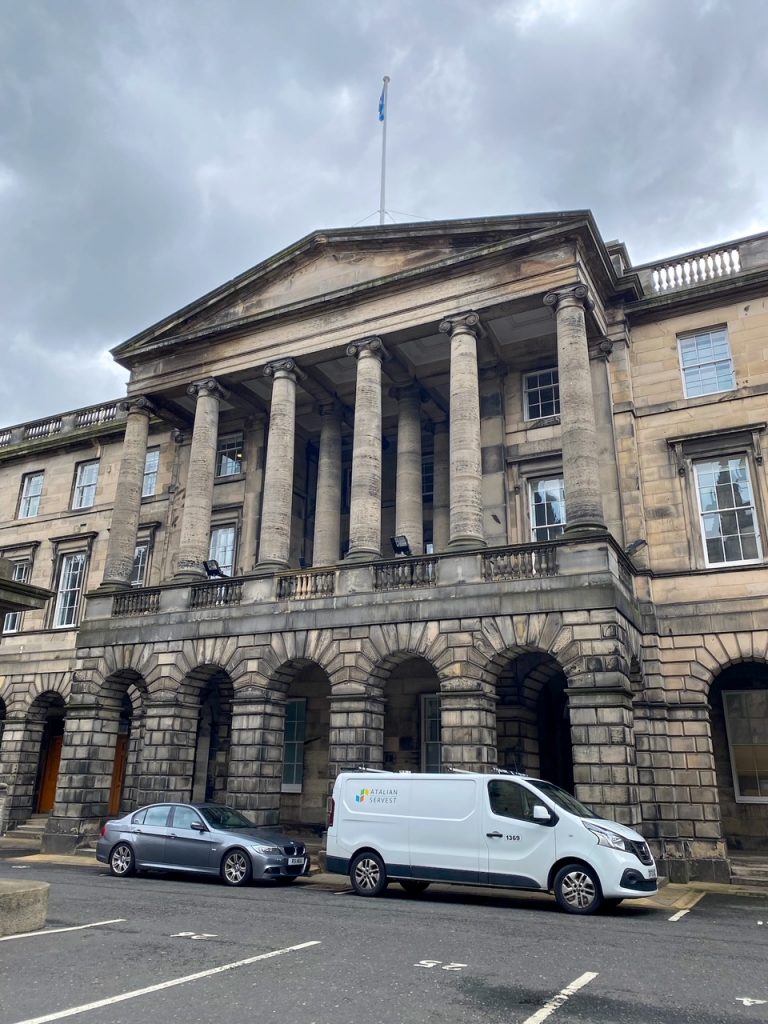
<point>306,584</point>
<point>216,593</point>
<point>136,602</point>
<point>405,573</point>
<point>521,562</point>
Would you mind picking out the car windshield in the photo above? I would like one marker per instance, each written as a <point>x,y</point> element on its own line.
<point>225,817</point>
<point>565,800</point>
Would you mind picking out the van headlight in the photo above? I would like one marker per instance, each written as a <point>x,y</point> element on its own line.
<point>605,837</point>
<point>265,848</point>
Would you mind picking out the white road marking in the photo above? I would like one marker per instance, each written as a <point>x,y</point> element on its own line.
<point>750,1002</point>
<point>552,1005</point>
<point>343,892</point>
<point>678,915</point>
<point>60,1014</point>
<point>55,931</point>
<point>193,935</point>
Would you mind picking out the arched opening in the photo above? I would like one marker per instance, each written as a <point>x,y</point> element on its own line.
<point>46,720</point>
<point>120,764</point>
<point>412,718</point>
<point>739,724</point>
<point>532,719</point>
<point>304,784</point>
<point>213,737</point>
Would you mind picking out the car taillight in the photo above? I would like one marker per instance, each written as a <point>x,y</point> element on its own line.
<point>103,830</point>
<point>331,809</point>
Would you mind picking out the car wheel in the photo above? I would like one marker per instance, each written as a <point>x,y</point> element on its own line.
<point>122,861</point>
<point>577,889</point>
<point>368,874</point>
<point>413,887</point>
<point>236,868</point>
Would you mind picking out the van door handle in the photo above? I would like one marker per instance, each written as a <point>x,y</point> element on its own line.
<point>495,835</point>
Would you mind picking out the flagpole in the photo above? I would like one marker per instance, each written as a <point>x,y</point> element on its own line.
<point>383,111</point>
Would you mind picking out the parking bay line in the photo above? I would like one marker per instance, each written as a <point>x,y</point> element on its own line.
<point>60,1014</point>
<point>558,1000</point>
<point>56,931</point>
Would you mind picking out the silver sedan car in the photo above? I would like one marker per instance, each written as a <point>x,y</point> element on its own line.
<point>207,838</point>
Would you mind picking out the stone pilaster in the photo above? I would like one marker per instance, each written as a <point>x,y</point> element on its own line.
<point>167,763</point>
<point>466,474</point>
<point>198,498</point>
<point>19,759</point>
<point>603,744</point>
<point>256,755</point>
<point>356,735</point>
<point>326,547</point>
<point>85,773</point>
<point>409,511</point>
<point>468,725</point>
<point>441,490</point>
<point>276,511</point>
<point>581,469</point>
<point>365,501</point>
<point>125,515</point>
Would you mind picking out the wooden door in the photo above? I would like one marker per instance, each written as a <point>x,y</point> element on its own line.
<point>118,775</point>
<point>50,775</point>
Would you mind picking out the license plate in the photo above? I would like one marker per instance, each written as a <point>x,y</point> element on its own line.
<point>294,861</point>
<point>652,872</point>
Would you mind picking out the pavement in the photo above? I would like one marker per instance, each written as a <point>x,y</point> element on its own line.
<point>671,896</point>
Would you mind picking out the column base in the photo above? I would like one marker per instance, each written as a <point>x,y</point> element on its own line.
<point>65,835</point>
<point>585,529</point>
<point>363,555</point>
<point>269,567</point>
<point>466,543</point>
<point>113,587</point>
<point>189,576</point>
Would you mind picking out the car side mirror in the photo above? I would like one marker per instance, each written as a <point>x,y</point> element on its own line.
<point>198,826</point>
<point>540,813</point>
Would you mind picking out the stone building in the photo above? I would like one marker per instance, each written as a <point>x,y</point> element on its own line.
<point>466,493</point>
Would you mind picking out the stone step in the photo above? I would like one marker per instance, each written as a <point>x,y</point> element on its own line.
<point>752,881</point>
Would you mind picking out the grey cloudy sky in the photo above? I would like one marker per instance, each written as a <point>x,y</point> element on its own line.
<point>152,149</point>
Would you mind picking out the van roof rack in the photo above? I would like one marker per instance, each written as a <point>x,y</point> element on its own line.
<point>376,771</point>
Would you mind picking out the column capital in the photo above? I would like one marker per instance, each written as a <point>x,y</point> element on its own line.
<point>372,346</point>
<point>600,349</point>
<point>469,321</point>
<point>572,295</point>
<point>209,386</point>
<point>140,404</point>
<point>331,407</point>
<point>285,368</point>
<point>406,391</point>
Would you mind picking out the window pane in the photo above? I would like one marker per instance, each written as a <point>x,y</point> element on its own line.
<point>542,394</point>
<point>71,578</point>
<point>547,508</point>
<point>85,485</point>
<point>12,620</point>
<point>151,463</point>
<point>222,548</point>
<point>293,746</point>
<point>728,520</point>
<point>140,561</point>
<point>706,362</point>
<point>229,455</point>
<point>31,489</point>
<point>746,715</point>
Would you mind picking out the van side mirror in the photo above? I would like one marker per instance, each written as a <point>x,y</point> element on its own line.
<point>540,813</point>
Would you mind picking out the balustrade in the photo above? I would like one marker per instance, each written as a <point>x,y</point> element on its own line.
<point>300,585</point>
<point>43,428</point>
<point>404,573</point>
<point>697,269</point>
<point>136,602</point>
<point>96,414</point>
<point>520,563</point>
<point>214,594</point>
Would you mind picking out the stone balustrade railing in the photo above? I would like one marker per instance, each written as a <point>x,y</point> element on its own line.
<point>404,573</point>
<point>58,426</point>
<point>521,562</point>
<point>136,602</point>
<point>43,428</point>
<point>299,586</point>
<point>216,593</point>
<point>96,414</point>
<point>6,436</point>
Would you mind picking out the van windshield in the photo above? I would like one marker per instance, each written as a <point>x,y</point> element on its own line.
<point>565,800</point>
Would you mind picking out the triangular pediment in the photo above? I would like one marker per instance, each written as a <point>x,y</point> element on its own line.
<point>341,262</point>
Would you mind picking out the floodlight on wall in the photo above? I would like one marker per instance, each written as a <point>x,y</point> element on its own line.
<point>400,545</point>
<point>212,568</point>
<point>630,549</point>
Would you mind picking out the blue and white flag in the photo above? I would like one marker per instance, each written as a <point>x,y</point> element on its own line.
<point>383,104</point>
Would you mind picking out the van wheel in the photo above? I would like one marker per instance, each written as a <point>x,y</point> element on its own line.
<point>414,887</point>
<point>368,874</point>
<point>577,889</point>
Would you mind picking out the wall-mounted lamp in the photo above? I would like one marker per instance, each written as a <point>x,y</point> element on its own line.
<point>212,568</point>
<point>400,545</point>
<point>630,549</point>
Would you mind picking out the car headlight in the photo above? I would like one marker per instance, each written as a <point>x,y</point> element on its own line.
<point>605,837</point>
<point>265,848</point>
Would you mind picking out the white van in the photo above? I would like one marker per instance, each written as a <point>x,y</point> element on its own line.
<point>478,829</point>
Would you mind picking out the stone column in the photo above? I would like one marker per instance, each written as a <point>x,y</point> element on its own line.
<point>468,725</point>
<point>356,732</point>
<point>277,506</point>
<point>365,503</point>
<point>85,773</point>
<point>326,547</point>
<point>581,469</point>
<point>441,490</point>
<point>409,511</point>
<point>127,508</point>
<point>256,754</point>
<point>198,498</point>
<point>167,761</point>
<point>466,474</point>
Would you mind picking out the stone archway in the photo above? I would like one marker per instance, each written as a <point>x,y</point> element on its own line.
<point>212,693</point>
<point>739,725</point>
<point>412,724</point>
<point>41,754</point>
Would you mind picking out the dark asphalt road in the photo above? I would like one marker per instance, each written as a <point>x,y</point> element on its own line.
<point>507,957</point>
